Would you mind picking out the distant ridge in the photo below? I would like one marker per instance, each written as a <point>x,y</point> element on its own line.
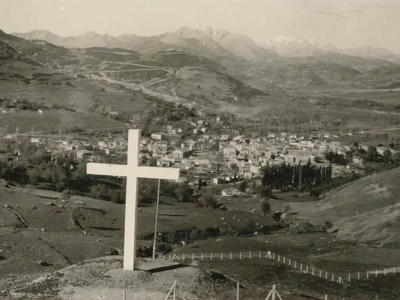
<point>207,42</point>
<point>291,46</point>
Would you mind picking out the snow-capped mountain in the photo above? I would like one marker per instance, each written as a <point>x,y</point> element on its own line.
<point>292,46</point>
<point>217,42</point>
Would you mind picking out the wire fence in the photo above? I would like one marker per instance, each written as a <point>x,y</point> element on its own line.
<point>339,278</point>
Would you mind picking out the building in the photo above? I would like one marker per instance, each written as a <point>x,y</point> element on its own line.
<point>182,153</point>
<point>158,136</point>
<point>229,192</point>
<point>83,154</point>
<point>229,151</point>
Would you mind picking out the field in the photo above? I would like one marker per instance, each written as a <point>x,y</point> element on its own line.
<point>58,231</point>
<point>86,228</point>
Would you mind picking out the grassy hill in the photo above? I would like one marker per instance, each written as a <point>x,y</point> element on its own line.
<point>23,78</point>
<point>366,210</point>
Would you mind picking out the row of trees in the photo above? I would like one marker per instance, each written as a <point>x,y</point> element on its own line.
<point>287,177</point>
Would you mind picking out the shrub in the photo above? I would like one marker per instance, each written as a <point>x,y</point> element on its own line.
<point>263,191</point>
<point>66,195</point>
<point>246,228</point>
<point>243,186</point>
<point>265,207</point>
<point>328,224</point>
<point>208,200</point>
<point>184,193</point>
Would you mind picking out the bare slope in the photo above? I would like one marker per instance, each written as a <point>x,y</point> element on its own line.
<point>367,210</point>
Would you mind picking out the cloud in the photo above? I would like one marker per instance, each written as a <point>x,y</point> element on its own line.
<point>353,11</point>
<point>331,14</point>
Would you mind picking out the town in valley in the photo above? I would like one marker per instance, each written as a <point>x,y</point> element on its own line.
<point>286,139</point>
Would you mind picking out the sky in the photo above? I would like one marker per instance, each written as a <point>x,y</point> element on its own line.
<point>346,23</point>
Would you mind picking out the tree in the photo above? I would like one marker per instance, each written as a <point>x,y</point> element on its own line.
<point>265,207</point>
<point>208,200</point>
<point>184,193</point>
<point>147,191</point>
<point>60,177</point>
<point>34,176</point>
<point>387,156</point>
<point>39,156</point>
<point>372,154</point>
<point>152,162</point>
<point>243,186</point>
<point>263,191</point>
<point>116,197</point>
<point>100,191</point>
<point>66,195</point>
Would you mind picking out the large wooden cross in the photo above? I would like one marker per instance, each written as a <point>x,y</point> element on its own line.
<point>132,171</point>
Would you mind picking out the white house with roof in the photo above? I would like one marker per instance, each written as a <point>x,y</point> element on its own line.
<point>158,136</point>
<point>229,192</point>
<point>182,153</point>
<point>229,151</point>
<point>83,154</point>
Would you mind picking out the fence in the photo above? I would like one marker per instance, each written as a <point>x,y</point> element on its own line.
<point>172,291</point>
<point>339,278</point>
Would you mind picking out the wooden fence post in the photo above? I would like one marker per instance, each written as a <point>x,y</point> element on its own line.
<point>250,254</point>
<point>237,290</point>
<point>123,294</point>
<point>230,255</point>
<point>222,256</point>
<point>240,255</point>
<point>211,257</point>
<point>358,276</point>
<point>202,256</point>
<point>349,277</point>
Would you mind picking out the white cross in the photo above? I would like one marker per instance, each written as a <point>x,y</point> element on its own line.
<point>132,171</point>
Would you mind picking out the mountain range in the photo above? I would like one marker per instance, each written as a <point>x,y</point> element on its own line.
<point>207,42</point>
<point>211,43</point>
<point>302,47</point>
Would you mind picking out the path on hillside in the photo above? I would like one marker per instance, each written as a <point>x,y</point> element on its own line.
<point>140,87</point>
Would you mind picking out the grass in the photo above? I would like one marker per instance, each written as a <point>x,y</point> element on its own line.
<point>263,272</point>
<point>51,120</point>
<point>101,220</point>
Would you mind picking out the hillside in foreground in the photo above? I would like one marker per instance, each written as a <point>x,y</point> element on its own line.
<point>366,210</point>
